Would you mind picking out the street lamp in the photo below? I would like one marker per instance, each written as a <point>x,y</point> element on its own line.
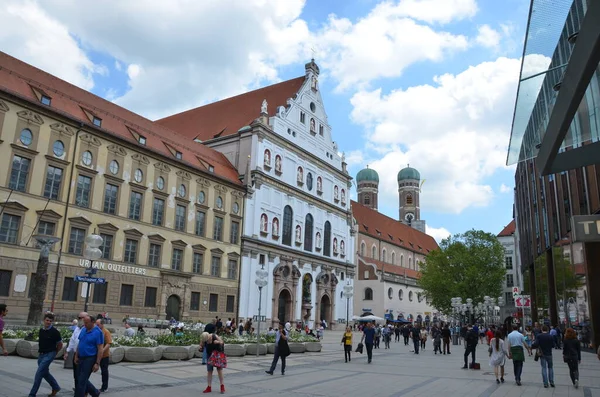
<point>92,252</point>
<point>261,281</point>
<point>348,293</point>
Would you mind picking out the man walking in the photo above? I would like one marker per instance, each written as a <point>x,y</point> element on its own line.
<point>369,338</point>
<point>72,347</point>
<point>3,312</point>
<point>50,343</point>
<point>516,351</point>
<point>545,342</point>
<point>405,334</point>
<point>415,332</point>
<point>105,355</point>
<point>88,356</point>
<point>446,338</point>
<point>471,339</point>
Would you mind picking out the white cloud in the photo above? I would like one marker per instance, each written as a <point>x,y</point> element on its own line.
<point>441,11</point>
<point>437,233</point>
<point>455,132</point>
<point>488,37</point>
<point>505,189</point>
<point>133,71</point>
<point>32,35</point>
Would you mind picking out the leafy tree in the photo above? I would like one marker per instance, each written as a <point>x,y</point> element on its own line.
<point>468,265</point>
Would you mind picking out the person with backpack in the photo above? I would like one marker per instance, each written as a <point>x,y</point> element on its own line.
<point>471,340</point>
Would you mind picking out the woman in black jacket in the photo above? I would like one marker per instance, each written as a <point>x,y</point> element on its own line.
<point>572,355</point>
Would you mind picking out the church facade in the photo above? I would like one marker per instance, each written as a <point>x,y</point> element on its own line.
<point>389,252</point>
<point>297,223</point>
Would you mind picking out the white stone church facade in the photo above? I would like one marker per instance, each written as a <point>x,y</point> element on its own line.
<point>297,221</point>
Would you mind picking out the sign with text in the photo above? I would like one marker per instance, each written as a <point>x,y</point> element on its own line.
<point>516,291</point>
<point>259,318</point>
<point>92,280</point>
<point>585,227</point>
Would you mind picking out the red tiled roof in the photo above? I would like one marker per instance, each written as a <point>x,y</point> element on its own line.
<point>391,231</point>
<point>226,117</point>
<point>508,230</point>
<point>18,78</point>
<point>393,269</point>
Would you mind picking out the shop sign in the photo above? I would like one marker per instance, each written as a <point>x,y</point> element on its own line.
<point>113,267</point>
<point>586,227</point>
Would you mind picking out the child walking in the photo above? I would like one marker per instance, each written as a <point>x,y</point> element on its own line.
<point>347,343</point>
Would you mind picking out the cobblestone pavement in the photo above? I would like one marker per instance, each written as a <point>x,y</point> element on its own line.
<point>394,372</point>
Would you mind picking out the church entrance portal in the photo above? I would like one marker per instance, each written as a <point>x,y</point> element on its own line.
<point>173,307</point>
<point>326,309</point>
<point>284,306</point>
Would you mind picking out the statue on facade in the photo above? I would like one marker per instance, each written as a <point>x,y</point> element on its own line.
<point>263,107</point>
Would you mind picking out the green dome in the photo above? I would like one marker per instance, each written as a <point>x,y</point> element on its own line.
<point>367,174</point>
<point>408,173</point>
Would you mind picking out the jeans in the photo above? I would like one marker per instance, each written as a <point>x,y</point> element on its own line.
<point>518,368</point>
<point>104,369</point>
<point>86,365</point>
<point>405,340</point>
<point>369,347</point>
<point>204,355</point>
<point>547,369</point>
<point>276,358</point>
<point>43,372</point>
<point>573,369</point>
<point>416,343</point>
<point>397,337</point>
<point>470,350</point>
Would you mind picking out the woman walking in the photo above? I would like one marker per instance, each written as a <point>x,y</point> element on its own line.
<point>498,355</point>
<point>423,338</point>
<point>347,343</point>
<point>216,359</point>
<point>572,355</point>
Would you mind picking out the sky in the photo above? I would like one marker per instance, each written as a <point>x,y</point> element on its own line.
<point>430,83</point>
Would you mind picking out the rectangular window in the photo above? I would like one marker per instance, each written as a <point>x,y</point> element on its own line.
<point>230,304</point>
<point>232,269</point>
<point>19,173</point>
<point>509,264</point>
<point>142,140</point>
<point>126,295</point>
<point>195,301</point>
<point>135,205</point>
<point>5,277</point>
<point>130,250</point>
<point>197,263</point>
<point>320,130</point>
<point>150,299</point>
<point>111,193</point>
<point>84,187</point>
<point>46,228</point>
<point>76,239</point>
<point>200,222</point>
<point>215,266</point>
<point>46,100</point>
<point>53,181</point>
<point>99,294</point>
<point>218,229</point>
<point>69,290</point>
<point>97,121</point>
<point>158,212</point>
<point>178,155</point>
<point>302,117</point>
<point>213,303</point>
<point>509,280</point>
<point>9,228</point>
<point>180,218</point>
<point>176,259</point>
<point>508,298</point>
<point>154,255</point>
<point>107,244</point>
<point>234,233</point>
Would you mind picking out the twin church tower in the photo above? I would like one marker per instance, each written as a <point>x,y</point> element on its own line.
<point>367,181</point>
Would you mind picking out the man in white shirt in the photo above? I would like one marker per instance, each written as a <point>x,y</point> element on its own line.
<point>129,332</point>
<point>516,351</point>
<point>72,346</point>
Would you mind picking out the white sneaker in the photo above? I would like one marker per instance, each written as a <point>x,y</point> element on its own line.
<point>577,383</point>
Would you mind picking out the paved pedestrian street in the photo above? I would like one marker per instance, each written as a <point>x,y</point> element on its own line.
<point>394,372</point>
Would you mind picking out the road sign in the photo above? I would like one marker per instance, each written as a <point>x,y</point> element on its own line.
<point>523,301</point>
<point>91,271</point>
<point>259,318</point>
<point>516,292</point>
<point>92,280</point>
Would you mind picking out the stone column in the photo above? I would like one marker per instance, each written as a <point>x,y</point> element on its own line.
<point>592,260</point>
<point>553,303</point>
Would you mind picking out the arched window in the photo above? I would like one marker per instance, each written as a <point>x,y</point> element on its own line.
<point>327,239</point>
<point>409,199</point>
<point>410,263</point>
<point>401,260</point>
<point>410,296</point>
<point>368,294</point>
<point>363,248</point>
<point>373,252</point>
<point>308,233</point>
<point>286,237</point>
<point>393,258</point>
<point>390,293</point>
<point>342,276</point>
<point>367,200</point>
<point>400,294</point>
<point>384,255</point>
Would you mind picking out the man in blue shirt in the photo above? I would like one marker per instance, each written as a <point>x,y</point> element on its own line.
<point>369,338</point>
<point>88,356</point>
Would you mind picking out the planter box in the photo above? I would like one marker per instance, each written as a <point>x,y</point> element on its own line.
<point>117,354</point>
<point>271,348</point>
<point>178,352</point>
<point>143,354</point>
<point>252,347</point>
<point>197,352</point>
<point>27,349</point>
<point>11,345</point>
<point>234,350</point>
<point>297,347</point>
<point>313,347</point>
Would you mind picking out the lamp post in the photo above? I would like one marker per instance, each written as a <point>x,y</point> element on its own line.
<point>500,305</point>
<point>92,252</point>
<point>348,293</point>
<point>261,281</point>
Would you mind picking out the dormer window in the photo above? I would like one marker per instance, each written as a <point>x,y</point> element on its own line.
<point>46,100</point>
<point>142,140</point>
<point>178,155</point>
<point>211,168</point>
<point>97,121</point>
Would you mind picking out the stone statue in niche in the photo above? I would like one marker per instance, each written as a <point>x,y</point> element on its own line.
<point>300,176</point>
<point>313,126</point>
<point>336,193</point>
<point>343,196</point>
<point>319,184</point>
<point>263,107</point>
<point>278,163</point>
<point>306,284</point>
<point>335,246</point>
<point>267,158</point>
<point>318,240</point>
<point>342,248</point>
<point>298,234</point>
<point>275,227</point>
<point>313,83</point>
<point>264,221</point>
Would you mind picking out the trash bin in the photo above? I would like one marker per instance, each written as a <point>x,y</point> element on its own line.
<point>455,339</point>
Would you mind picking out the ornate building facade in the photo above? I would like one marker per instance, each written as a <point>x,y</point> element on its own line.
<point>297,224</point>
<point>170,215</point>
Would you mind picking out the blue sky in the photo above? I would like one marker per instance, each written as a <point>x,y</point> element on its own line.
<point>426,82</point>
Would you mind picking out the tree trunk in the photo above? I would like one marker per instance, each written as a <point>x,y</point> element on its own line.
<point>38,292</point>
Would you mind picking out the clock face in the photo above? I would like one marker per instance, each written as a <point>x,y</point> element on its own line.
<point>409,217</point>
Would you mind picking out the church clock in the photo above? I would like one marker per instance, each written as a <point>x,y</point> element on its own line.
<point>409,217</point>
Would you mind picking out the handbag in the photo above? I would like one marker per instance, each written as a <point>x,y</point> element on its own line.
<point>538,354</point>
<point>218,359</point>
